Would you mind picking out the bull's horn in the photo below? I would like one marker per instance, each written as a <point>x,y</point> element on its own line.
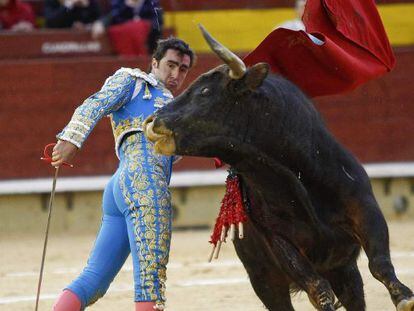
<point>237,66</point>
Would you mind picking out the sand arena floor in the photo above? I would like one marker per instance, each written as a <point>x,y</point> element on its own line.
<point>193,284</point>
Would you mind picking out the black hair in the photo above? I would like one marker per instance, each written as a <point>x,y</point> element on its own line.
<point>175,44</point>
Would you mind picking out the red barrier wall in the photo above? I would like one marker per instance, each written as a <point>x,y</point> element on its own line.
<point>376,120</point>
<point>37,98</point>
<point>52,43</point>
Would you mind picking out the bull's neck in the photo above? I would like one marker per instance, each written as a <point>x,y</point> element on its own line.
<point>243,156</point>
<point>239,155</point>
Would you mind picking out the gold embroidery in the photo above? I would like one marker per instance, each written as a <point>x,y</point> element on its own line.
<point>159,102</point>
<point>124,125</point>
<point>144,186</point>
<point>147,93</point>
<point>114,94</point>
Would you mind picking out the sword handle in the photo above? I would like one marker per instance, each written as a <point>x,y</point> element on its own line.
<point>48,158</point>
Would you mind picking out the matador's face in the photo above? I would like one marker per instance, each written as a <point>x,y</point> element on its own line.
<point>172,69</point>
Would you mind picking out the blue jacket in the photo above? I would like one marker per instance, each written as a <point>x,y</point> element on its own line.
<point>128,98</point>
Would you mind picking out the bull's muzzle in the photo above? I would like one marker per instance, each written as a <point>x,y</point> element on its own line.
<point>160,135</point>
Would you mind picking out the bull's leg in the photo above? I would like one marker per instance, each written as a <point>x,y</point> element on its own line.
<point>372,230</point>
<point>300,270</point>
<point>347,285</point>
<point>268,282</point>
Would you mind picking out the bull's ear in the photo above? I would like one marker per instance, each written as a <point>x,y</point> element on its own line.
<point>255,75</point>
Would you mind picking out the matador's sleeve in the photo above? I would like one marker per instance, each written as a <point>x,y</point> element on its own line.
<point>116,92</point>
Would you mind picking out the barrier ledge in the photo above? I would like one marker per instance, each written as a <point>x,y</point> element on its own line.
<point>179,179</point>
<point>97,183</point>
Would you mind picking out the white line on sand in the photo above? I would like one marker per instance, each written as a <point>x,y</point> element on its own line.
<point>14,299</point>
<point>204,282</point>
<point>128,268</point>
<point>195,282</point>
<point>178,265</point>
<point>173,265</point>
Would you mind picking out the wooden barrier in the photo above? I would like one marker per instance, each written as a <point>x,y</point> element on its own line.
<point>52,43</point>
<point>37,98</point>
<point>376,120</point>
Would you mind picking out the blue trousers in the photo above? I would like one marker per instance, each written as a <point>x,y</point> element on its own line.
<point>137,220</point>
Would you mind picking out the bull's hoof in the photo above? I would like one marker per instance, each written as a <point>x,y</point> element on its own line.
<point>406,304</point>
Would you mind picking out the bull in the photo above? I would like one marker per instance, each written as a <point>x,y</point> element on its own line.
<point>312,207</point>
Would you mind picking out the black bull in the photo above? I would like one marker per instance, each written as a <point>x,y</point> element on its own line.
<point>312,206</point>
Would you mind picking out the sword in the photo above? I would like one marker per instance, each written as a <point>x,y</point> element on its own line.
<point>48,159</point>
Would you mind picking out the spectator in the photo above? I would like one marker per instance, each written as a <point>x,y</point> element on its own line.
<point>71,13</point>
<point>126,10</point>
<point>16,16</point>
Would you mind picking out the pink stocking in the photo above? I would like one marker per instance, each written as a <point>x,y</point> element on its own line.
<point>145,306</point>
<point>67,301</point>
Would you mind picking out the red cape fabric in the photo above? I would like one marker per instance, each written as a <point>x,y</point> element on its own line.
<point>15,12</point>
<point>130,38</point>
<point>356,48</point>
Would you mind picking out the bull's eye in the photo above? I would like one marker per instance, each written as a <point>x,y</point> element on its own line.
<point>205,91</point>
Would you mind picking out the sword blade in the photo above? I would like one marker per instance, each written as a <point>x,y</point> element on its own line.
<point>52,196</point>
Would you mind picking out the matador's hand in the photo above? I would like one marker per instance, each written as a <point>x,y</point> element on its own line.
<point>64,151</point>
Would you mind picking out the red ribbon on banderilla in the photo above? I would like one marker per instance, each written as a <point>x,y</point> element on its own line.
<point>232,213</point>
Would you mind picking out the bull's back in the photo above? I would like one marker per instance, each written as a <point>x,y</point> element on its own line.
<point>331,174</point>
